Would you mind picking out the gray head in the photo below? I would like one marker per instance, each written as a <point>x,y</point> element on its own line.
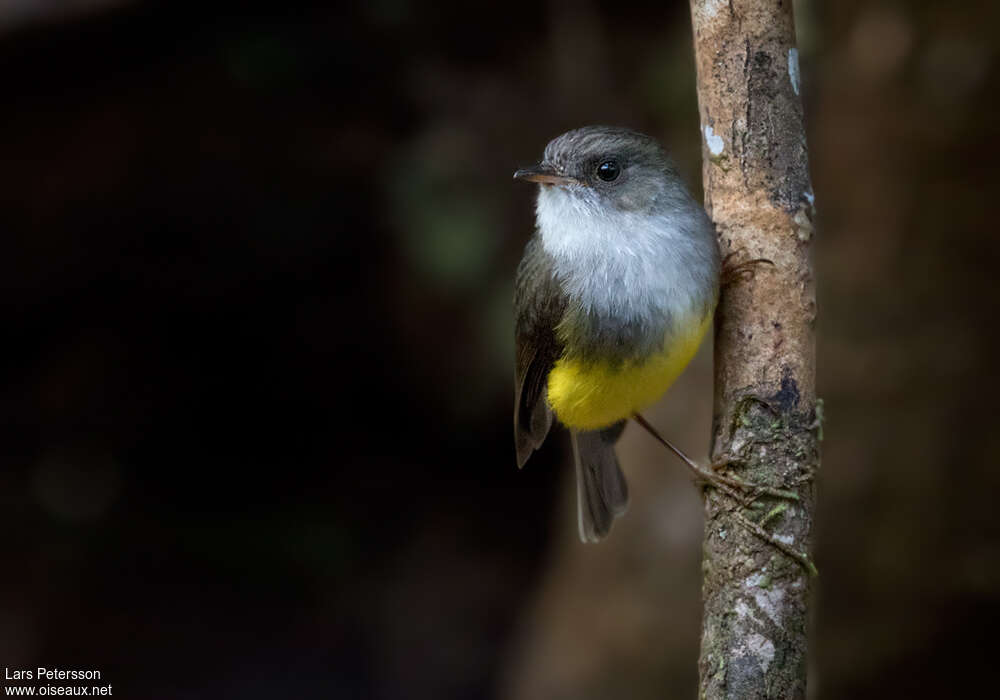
<point>628,244</point>
<point>607,166</point>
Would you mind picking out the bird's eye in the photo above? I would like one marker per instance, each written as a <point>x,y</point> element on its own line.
<point>609,170</point>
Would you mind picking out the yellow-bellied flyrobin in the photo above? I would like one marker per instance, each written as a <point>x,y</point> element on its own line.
<point>613,296</point>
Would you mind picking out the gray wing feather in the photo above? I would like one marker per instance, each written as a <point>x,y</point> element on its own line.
<point>539,305</point>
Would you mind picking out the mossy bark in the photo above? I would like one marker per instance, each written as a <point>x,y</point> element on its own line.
<point>766,422</point>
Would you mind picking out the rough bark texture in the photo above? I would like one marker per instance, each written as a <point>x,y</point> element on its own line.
<point>766,421</point>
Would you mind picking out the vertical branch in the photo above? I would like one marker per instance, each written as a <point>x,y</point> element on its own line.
<point>765,423</point>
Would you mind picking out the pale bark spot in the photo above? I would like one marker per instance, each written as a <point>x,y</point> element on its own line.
<point>713,141</point>
<point>762,648</point>
<point>793,69</point>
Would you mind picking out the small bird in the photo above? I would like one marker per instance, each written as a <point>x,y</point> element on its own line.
<point>613,296</point>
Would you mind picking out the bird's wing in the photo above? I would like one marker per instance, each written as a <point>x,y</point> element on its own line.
<point>539,305</point>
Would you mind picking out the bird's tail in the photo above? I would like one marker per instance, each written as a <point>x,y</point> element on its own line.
<point>601,491</point>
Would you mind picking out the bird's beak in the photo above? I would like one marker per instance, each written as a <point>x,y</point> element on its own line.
<point>544,174</point>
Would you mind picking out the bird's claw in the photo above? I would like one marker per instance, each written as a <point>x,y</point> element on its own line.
<point>732,273</point>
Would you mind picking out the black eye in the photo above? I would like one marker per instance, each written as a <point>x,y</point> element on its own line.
<point>608,170</point>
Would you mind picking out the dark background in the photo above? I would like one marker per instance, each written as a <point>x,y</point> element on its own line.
<point>256,390</point>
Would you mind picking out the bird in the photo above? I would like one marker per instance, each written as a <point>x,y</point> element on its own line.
<point>616,288</point>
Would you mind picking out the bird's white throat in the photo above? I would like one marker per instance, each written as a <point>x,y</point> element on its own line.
<point>622,265</point>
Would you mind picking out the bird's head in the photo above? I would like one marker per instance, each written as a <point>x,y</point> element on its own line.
<point>603,168</point>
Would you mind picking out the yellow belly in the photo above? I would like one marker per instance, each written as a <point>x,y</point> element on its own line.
<point>587,396</point>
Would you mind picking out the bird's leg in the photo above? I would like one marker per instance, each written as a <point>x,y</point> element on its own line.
<point>720,481</point>
<point>731,487</point>
<point>732,273</point>
<point>699,473</point>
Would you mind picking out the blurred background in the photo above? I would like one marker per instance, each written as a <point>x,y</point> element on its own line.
<point>257,379</point>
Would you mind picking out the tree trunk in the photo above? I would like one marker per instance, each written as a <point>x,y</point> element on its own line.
<point>766,420</point>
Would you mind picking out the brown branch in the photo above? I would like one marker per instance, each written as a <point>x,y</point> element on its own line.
<point>758,193</point>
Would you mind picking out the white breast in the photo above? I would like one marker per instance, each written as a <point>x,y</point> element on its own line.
<point>622,265</point>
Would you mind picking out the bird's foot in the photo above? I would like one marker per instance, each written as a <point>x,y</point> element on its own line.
<point>733,272</point>
<point>751,490</point>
